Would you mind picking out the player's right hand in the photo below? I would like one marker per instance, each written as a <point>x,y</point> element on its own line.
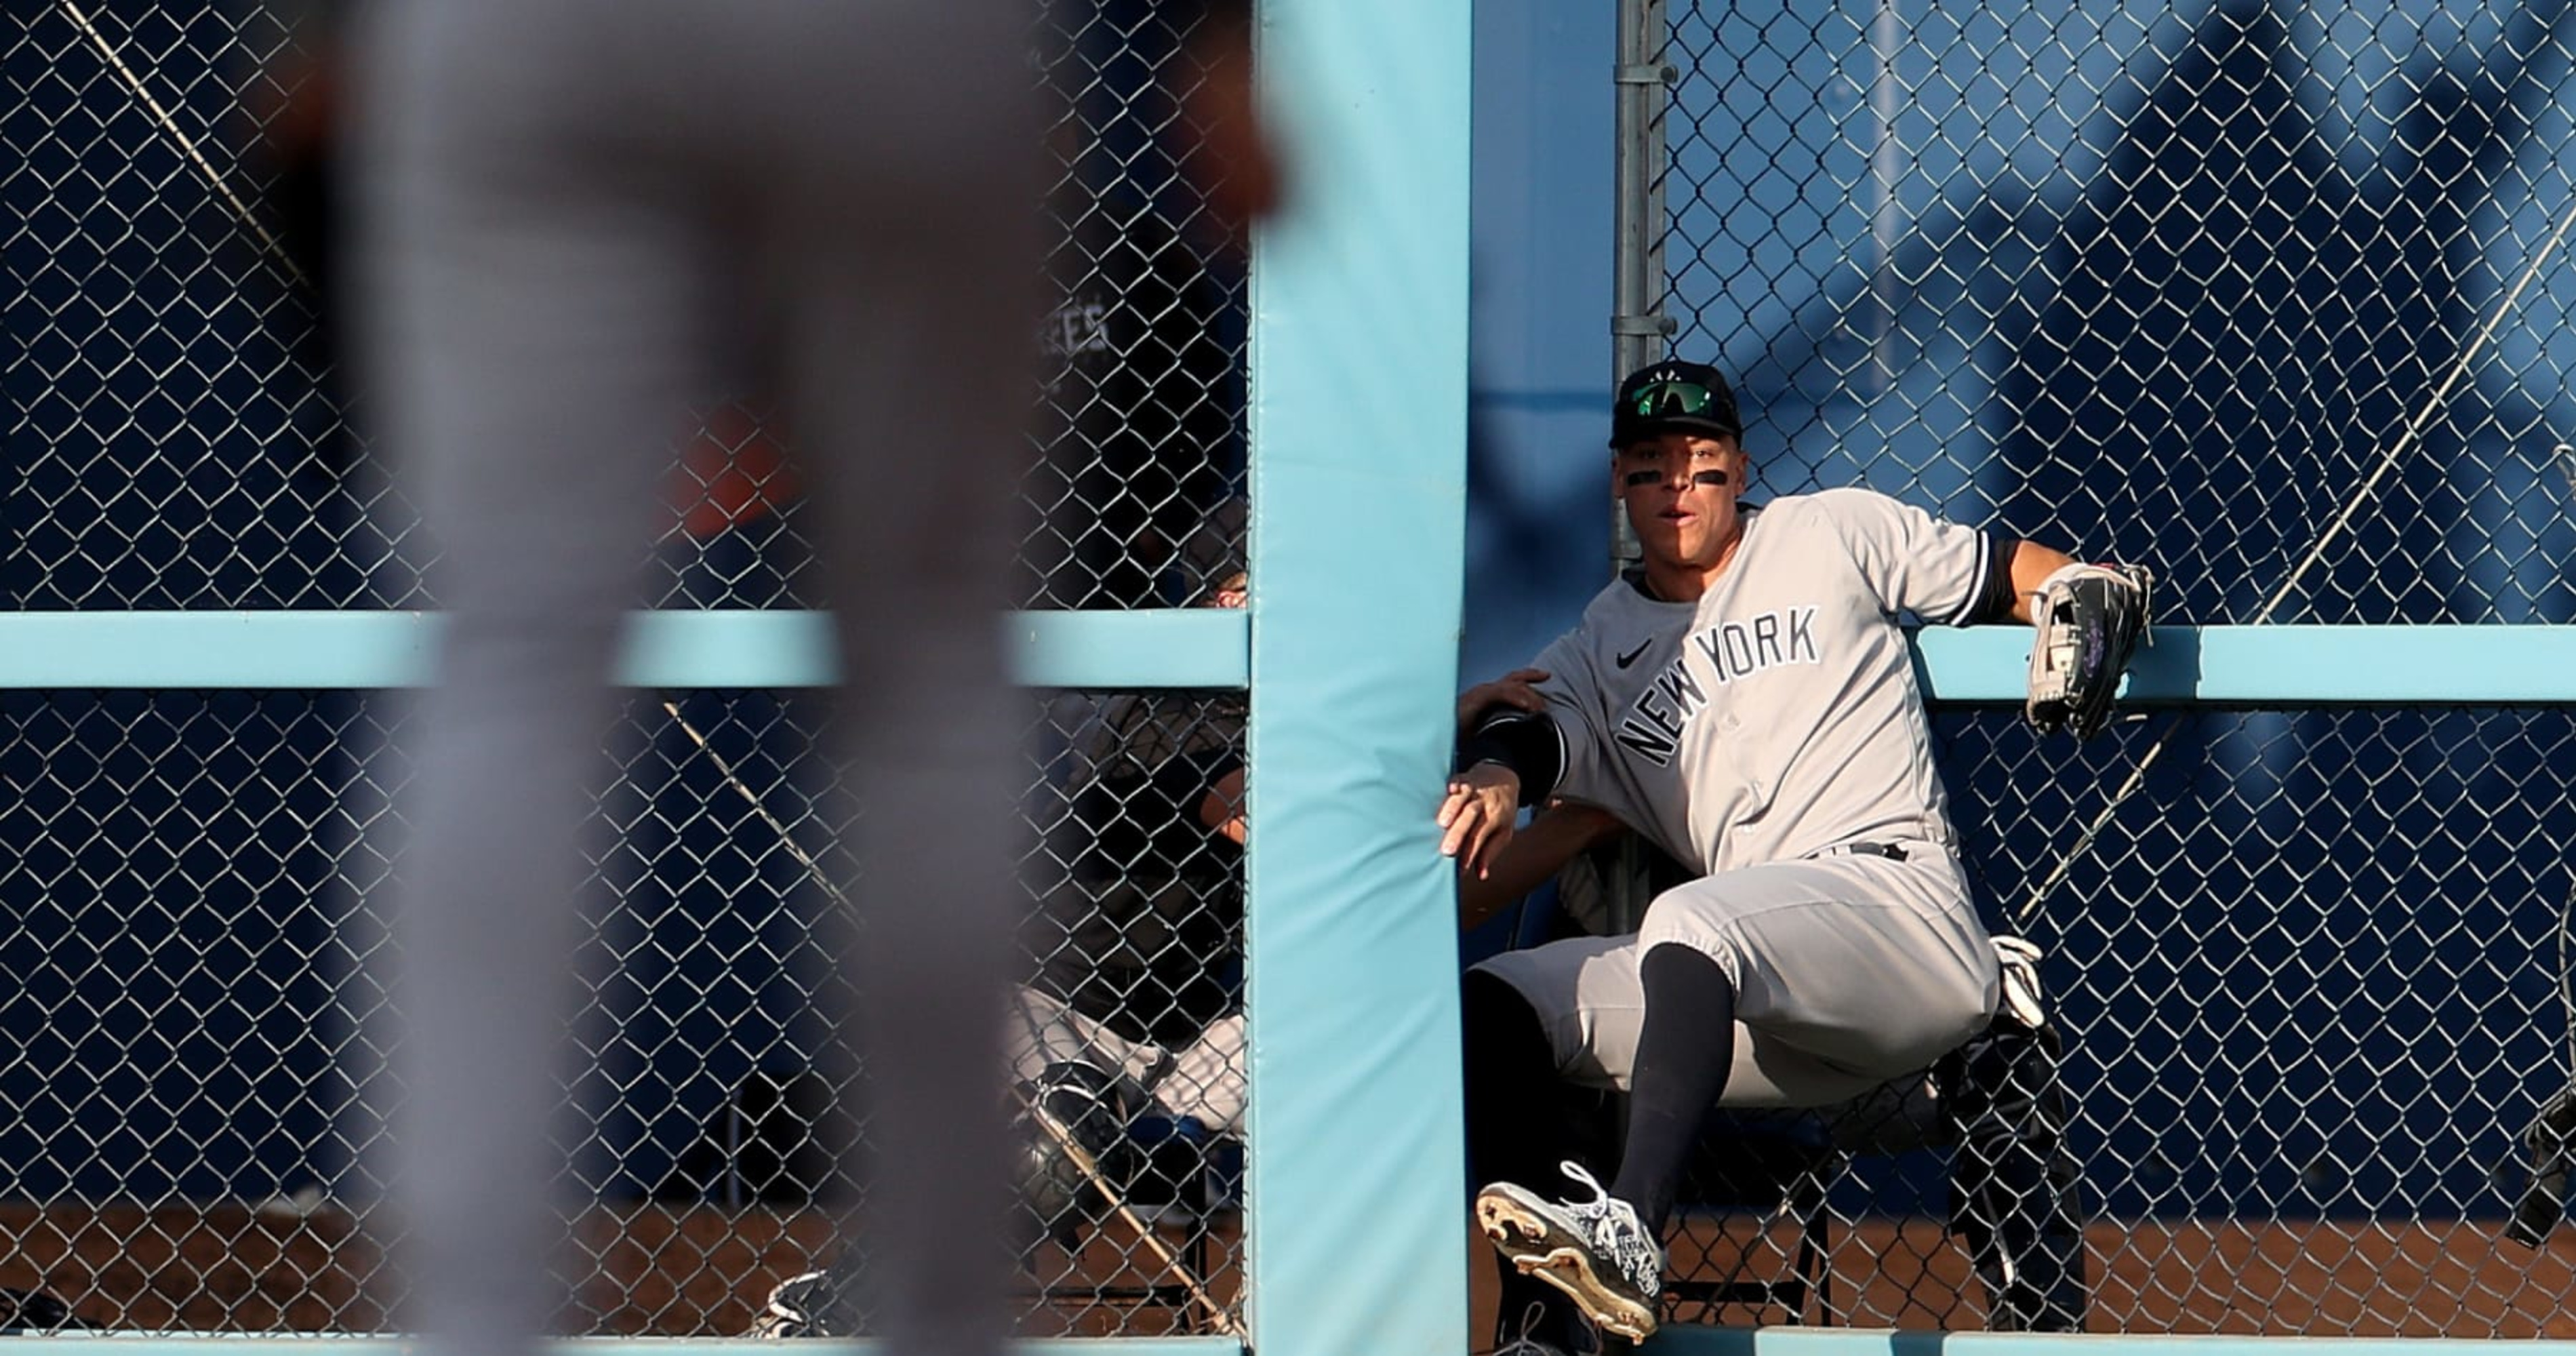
<point>1483,803</point>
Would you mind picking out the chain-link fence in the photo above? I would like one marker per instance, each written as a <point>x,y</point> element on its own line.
<point>2274,296</point>
<point>190,888</point>
<point>174,403</point>
<point>193,1070</point>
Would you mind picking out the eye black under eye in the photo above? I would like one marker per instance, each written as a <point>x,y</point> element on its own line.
<point>1710,476</point>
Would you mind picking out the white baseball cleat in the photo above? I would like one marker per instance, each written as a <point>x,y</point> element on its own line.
<point>1597,1251</point>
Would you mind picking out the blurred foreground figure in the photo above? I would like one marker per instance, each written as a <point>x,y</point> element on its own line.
<point>573,217</point>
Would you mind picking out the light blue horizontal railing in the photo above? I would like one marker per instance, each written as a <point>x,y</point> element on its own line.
<point>2222,665</point>
<point>1200,648</point>
<point>2285,665</point>
<point>1680,1340</point>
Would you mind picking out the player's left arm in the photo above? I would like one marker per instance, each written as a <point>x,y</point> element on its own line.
<point>2028,566</point>
<point>2090,618</point>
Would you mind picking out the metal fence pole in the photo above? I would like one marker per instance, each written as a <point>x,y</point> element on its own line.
<point>1638,326</point>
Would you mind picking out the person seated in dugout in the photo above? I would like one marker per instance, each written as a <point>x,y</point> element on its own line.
<point>1126,1041</point>
<point>1133,1011</point>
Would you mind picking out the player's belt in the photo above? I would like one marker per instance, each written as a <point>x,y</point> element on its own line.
<point>1862,849</point>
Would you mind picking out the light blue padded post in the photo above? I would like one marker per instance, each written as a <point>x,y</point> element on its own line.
<point>1357,1218</point>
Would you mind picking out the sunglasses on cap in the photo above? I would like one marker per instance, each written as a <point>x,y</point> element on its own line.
<point>1666,398</point>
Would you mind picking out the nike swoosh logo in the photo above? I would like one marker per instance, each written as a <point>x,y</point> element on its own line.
<point>1631,657</point>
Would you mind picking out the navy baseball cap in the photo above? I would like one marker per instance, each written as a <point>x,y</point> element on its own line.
<point>1673,396</point>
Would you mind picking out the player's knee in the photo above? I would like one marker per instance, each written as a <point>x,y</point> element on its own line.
<point>1949,1015</point>
<point>1724,947</point>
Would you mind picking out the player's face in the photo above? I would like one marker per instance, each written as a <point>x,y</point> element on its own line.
<point>1680,489</point>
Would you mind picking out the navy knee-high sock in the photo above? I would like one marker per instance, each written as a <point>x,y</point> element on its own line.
<point>1684,1053</point>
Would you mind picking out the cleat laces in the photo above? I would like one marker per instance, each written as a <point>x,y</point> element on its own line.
<point>1611,1227</point>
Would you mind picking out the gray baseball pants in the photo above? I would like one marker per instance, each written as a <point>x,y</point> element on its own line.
<point>1203,1079</point>
<point>574,216</point>
<point>1848,971</point>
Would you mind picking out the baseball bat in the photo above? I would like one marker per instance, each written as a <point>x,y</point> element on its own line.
<point>1082,1159</point>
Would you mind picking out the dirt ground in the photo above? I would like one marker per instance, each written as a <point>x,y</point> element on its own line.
<point>703,1272</point>
<point>2273,1278</point>
<point>647,1270</point>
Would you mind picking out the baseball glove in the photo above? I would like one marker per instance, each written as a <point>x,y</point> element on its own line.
<point>2089,620</point>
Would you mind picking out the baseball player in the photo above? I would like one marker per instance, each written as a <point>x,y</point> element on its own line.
<point>570,218</point>
<point>1745,699</point>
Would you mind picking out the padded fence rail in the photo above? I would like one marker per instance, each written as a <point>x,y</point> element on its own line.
<point>2275,297</point>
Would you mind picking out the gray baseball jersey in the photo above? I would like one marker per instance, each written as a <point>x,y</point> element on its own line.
<point>1778,715</point>
<point>1747,733</point>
